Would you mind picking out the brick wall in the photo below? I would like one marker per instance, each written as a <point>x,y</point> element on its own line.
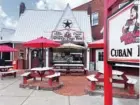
<point>96,6</point>
<point>21,63</point>
<point>24,63</point>
<point>20,47</point>
<point>116,7</point>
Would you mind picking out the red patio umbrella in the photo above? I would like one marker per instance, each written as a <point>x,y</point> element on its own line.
<point>5,48</point>
<point>41,42</point>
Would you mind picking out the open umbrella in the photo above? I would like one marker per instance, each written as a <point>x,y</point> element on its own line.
<point>5,48</point>
<point>41,42</point>
<point>71,45</point>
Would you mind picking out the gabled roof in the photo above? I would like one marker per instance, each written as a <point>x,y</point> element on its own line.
<point>68,16</point>
<point>36,23</point>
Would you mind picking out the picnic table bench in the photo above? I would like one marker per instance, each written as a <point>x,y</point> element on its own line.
<point>8,73</point>
<point>32,73</point>
<point>130,85</point>
<point>53,77</point>
<point>93,81</point>
<point>26,76</point>
<point>70,67</point>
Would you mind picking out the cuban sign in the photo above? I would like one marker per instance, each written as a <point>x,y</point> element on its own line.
<point>67,36</point>
<point>124,35</point>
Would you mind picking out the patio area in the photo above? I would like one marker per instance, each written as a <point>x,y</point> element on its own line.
<point>76,84</point>
<point>11,94</point>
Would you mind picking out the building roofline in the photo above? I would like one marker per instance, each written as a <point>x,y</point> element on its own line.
<point>55,10</point>
<point>8,29</point>
<point>43,10</point>
<point>82,5</point>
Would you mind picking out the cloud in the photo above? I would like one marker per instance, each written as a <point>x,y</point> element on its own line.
<point>58,4</point>
<point>10,23</point>
<point>2,13</point>
<point>41,5</point>
<point>7,21</point>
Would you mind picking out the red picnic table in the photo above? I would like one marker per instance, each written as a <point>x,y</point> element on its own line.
<point>5,71</point>
<point>41,71</point>
<point>127,81</point>
<point>5,68</point>
<point>52,75</point>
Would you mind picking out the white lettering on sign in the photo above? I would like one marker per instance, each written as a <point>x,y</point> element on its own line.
<point>67,35</point>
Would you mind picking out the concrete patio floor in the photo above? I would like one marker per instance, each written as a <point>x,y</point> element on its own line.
<point>11,94</point>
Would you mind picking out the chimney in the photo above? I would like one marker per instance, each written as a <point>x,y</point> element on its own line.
<point>89,10</point>
<point>22,8</point>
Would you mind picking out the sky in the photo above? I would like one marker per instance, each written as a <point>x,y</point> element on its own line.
<point>9,9</point>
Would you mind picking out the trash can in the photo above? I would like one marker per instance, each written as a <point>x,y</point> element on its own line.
<point>91,66</point>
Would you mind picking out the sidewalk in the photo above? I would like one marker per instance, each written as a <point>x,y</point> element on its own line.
<point>11,94</point>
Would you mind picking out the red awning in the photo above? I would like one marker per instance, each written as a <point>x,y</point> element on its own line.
<point>5,48</point>
<point>97,44</point>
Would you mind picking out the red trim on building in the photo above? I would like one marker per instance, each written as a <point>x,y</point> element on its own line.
<point>100,45</point>
<point>97,44</point>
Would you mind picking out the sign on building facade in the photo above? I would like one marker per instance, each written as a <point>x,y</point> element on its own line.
<point>68,36</point>
<point>68,29</point>
<point>124,35</point>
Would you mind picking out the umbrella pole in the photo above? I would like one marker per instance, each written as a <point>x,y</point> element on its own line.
<point>42,57</point>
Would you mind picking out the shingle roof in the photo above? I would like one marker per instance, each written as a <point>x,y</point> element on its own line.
<point>36,23</point>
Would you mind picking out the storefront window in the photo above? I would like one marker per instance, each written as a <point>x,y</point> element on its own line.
<point>67,57</point>
<point>100,56</point>
<point>7,56</point>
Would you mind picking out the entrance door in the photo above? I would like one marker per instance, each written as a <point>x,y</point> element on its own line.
<point>36,58</point>
<point>99,60</point>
